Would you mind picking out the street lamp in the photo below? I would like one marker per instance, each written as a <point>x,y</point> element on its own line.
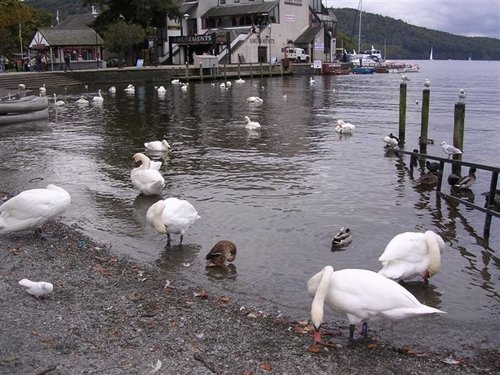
<point>186,48</point>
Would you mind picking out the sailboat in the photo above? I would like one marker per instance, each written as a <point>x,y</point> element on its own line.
<point>430,56</point>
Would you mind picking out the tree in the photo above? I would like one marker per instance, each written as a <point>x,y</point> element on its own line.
<point>18,23</point>
<point>120,36</point>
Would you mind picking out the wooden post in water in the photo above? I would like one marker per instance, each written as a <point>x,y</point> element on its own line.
<point>281,68</point>
<point>270,70</point>
<point>424,126</point>
<point>201,71</point>
<point>402,112</point>
<point>239,71</point>
<point>458,134</point>
<point>187,72</point>
<point>261,70</point>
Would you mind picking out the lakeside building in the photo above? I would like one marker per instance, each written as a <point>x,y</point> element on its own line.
<point>72,37</point>
<point>250,31</point>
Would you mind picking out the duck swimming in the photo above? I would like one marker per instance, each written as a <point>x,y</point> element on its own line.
<point>342,238</point>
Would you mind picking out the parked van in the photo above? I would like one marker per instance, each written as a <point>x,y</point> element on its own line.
<point>296,54</point>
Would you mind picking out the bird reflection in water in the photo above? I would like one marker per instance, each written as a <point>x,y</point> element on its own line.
<point>221,273</point>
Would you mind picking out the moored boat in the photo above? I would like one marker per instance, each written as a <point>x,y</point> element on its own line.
<point>16,118</point>
<point>363,70</point>
<point>27,109</point>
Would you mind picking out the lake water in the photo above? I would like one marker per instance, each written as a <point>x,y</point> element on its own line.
<point>283,193</point>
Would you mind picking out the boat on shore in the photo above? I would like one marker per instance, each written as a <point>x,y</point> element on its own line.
<point>26,109</point>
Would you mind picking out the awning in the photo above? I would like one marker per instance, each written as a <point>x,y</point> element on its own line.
<point>234,10</point>
<point>308,35</point>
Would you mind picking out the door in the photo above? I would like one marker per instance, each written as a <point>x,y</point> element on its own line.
<point>262,54</point>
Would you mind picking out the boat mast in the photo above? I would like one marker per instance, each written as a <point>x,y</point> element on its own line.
<point>360,11</point>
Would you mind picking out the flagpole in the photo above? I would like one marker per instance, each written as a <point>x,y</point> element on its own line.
<point>21,41</point>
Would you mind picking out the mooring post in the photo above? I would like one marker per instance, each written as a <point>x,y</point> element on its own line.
<point>424,126</point>
<point>239,71</point>
<point>261,70</point>
<point>458,135</point>
<point>225,72</point>
<point>490,203</point>
<point>201,71</point>
<point>402,112</point>
<point>270,70</point>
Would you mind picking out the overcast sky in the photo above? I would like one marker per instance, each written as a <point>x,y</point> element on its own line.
<point>462,17</point>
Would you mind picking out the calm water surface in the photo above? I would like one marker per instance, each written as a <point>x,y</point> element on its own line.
<point>281,194</point>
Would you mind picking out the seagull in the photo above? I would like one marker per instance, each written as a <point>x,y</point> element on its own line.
<point>404,77</point>
<point>461,95</point>
<point>36,288</point>
<point>251,125</point>
<point>450,150</point>
<point>255,99</point>
<point>427,82</point>
<point>222,251</point>
<point>362,295</point>
<point>342,238</point>
<point>467,181</point>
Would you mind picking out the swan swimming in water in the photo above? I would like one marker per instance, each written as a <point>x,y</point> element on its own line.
<point>391,141</point>
<point>251,125</point>
<point>130,89</point>
<point>98,98</point>
<point>171,216</point>
<point>57,102</point>
<point>412,254</point>
<point>255,99</point>
<point>145,178</point>
<point>112,90</point>
<point>364,296</point>
<point>158,145</point>
<point>32,208</point>
<point>344,127</point>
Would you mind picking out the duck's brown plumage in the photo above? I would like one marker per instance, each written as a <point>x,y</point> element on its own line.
<point>223,251</point>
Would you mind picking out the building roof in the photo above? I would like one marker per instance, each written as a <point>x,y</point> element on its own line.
<point>308,35</point>
<point>185,8</point>
<point>76,21</point>
<point>56,36</point>
<point>233,10</point>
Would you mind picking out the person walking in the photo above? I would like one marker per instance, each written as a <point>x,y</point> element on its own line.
<point>67,62</point>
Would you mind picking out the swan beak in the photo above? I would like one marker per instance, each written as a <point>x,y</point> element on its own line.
<point>317,335</point>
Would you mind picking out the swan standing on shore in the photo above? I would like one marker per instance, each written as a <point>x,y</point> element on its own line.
<point>412,254</point>
<point>172,216</point>
<point>364,296</point>
<point>32,208</point>
<point>146,179</point>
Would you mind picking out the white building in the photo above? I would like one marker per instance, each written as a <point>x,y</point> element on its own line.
<point>251,30</point>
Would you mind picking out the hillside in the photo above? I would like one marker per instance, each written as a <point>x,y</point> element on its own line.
<point>401,40</point>
<point>405,41</point>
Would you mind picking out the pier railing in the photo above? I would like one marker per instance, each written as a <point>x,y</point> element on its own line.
<point>420,159</point>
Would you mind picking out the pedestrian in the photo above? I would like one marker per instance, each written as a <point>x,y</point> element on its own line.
<point>67,62</point>
<point>2,64</point>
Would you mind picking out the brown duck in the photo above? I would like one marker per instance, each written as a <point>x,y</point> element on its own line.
<point>221,252</point>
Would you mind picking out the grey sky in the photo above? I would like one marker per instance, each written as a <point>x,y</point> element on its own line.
<point>462,17</point>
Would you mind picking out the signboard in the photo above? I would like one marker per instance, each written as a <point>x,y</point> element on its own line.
<point>192,39</point>
<point>140,63</point>
<point>319,46</point>
<point>317,64</point>
<point>289,18</point>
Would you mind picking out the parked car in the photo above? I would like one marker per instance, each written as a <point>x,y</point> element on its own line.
<point>114,62</point>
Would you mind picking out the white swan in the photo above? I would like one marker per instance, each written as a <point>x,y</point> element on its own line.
<point>36,288</point>
<point>363,295</point>
<point>412,254</point>
<point>240,80</point>
<point>175,82</point>
<point>184,87</point>
<point>161,90</point>
<point>345,127</point>
<point>98,98</point>
<point>251,125</point>
<point>42,90</point>
<point>32,208</point>
<point>145,178</point>
<point>82,101</point>
<point>112,90</point>
<point>172,216</point>
<point>158,145</point>
<point>255,99</point>
<point>391,141</point>
<point>450,149</point>
<point>467,181</point>
<point>57,102</point>
<point>130,89</point>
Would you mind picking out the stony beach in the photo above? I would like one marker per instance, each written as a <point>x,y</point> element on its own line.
<point>109,315</point>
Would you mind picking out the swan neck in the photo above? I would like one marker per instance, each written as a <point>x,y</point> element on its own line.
<point>434,253</point>
<point>317,307</point>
